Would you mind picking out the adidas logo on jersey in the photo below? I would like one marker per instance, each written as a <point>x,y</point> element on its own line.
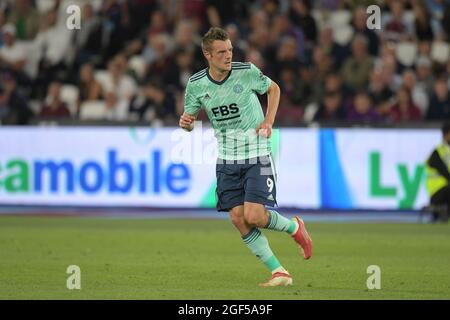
<point>270,197</point>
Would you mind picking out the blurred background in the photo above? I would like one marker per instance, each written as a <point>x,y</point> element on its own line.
<point>357,104</point>
<point>131,59</point>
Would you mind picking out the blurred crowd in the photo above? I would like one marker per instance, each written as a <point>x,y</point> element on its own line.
<point>130,60</point>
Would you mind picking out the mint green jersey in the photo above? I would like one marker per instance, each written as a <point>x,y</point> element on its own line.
<point>233,108</point>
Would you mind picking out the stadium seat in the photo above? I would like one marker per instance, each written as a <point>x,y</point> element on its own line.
<point>45,5</point>
<point>343,34</point>
<point>440,52</point>
<point>93,110</point>
<point>35,106</point>
<point>138,65</point>
<point>310,111</point>
<point>318,17</point>
<point>96,4</point>
<point>340,18</point>
<point>69,94</point>
<point>101,76</point>
<point>406,53</point>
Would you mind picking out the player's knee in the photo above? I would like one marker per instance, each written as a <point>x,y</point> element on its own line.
<point>237,219</point>
<point>253,217</point>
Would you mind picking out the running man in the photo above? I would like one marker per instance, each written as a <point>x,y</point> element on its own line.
<point>245,176</point>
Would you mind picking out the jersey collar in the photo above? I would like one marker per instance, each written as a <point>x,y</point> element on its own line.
<point>217,82</point>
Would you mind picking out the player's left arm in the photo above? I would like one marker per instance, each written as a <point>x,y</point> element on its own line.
<point>273,100</point>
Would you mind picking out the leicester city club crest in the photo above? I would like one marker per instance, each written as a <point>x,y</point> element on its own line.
<point>238,88</point>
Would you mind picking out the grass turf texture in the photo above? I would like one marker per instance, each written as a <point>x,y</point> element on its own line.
<point>206,259</point>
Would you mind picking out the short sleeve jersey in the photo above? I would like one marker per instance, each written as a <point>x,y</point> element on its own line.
<point>233,108</point>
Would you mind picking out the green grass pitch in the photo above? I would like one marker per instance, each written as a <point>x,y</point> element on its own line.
<point>206,259</point>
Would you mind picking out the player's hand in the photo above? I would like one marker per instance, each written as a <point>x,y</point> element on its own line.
<point>187,122</point>
<point>264,129</point>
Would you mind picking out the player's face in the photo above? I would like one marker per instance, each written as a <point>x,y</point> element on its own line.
<point>221,55</point>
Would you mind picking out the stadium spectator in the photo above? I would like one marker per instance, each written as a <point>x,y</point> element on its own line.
<point>424,74</point>
<point>14,108</point>
<point>289,87</point>
<point>259,37</point>
<point>283,38</point>
<point>286,56</point>
<point>2,24</point>
<point>359,23</point>
<point>191,10</point>
<point>115,27</point>
<point>300,15</point>
<point>156,52</point>
<point>424,48</point>
<point>438,176</point>
<point>388,65</point>
<point>333,82</point>
<point>383,109</point>
<point>379,91</point>
<point>404,109</point>
<point>160,54</point>
<point>322,65</point>
<point>436,8</point>
<point>425,26</point>
<point>331,109</point>
<point>143,43</point>
<point>12,54</point>
<point>221,13</point>
<point>140,10</point>
<point>89,38</point>
<point>239,46</point>
<point>272,8</point>
<point>153,102</point>
<point>90,89</point>
<point>305,92</point>
<point>158,23</point>
<point>118,81</point>
<point>440,101</point>
<point>331,48</point>
<point>25,18</point>
<point>356,69</point>
<point>116,107</point>
<point>353,4</point>
<point>362,109</point>
<point>418,92</point>
<point>445,22</point>
<point>178,73</point>
<point>327,5</point>
<point>53,106</point>
<point>186,38</point>
<point>51,48</point>
<point>395,25</point>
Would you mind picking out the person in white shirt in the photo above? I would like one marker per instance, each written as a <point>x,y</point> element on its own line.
<point>13,53</point>
<point>117,81</point>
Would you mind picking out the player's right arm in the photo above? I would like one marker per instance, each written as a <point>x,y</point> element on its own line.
<point>187,121</point>
<point>192,107</point>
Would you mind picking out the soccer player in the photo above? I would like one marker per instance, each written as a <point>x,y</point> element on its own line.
<point>245,176</point>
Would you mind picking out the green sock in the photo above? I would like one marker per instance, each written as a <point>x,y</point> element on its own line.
<point>280,223</point>
<point>258,244</point>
